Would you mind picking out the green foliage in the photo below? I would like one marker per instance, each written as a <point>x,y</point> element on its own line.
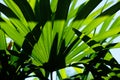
<point>50,36</point>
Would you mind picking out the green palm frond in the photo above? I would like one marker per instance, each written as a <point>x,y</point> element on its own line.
<point>52,35</point>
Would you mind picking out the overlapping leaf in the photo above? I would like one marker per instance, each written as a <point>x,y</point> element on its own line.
<point>54,34</point>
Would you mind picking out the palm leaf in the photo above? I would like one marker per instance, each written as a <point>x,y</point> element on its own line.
<point>2,41</point>
<point>55,34</point>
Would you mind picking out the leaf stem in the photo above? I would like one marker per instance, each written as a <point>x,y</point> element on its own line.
<point>51,76</point>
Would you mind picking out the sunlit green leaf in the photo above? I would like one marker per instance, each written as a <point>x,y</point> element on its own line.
<point>2,40</point>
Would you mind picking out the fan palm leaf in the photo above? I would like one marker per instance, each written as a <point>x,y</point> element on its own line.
<point>51,35</point>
